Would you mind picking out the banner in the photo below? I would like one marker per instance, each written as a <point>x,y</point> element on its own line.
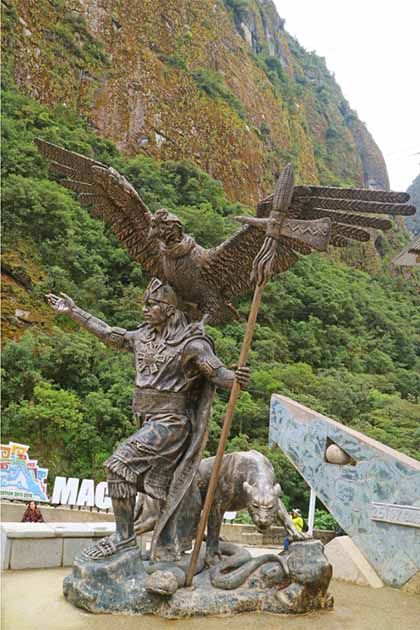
<point>21,477</point>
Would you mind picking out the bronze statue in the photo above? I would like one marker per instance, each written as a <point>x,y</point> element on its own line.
<point>208,280</point>
<point>176,372</point>
<point>246,481</point>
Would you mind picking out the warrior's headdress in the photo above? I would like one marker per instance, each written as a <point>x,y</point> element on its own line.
<point>160,292</point>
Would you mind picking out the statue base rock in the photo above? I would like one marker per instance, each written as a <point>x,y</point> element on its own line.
<point>121,584</point>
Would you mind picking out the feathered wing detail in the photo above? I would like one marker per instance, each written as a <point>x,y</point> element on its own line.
<point>343,214</point>
<point>362,194</point>
<point>348,231</point>
<point>229,265</point>
<point>110,197</point>
<point>351,219</point>
<point>350,210</point>
<point>345,207</point>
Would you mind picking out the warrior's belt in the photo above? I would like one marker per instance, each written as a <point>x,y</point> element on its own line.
<point>153,401</point>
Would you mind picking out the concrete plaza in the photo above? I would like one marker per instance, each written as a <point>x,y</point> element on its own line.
<point>33,598</point>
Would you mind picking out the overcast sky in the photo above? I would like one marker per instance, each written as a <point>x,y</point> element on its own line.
<point>373,48</point>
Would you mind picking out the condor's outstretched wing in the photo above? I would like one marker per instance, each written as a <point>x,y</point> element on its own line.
<point>228,266</point>
<point>350,210</point>
<point>110,197</point>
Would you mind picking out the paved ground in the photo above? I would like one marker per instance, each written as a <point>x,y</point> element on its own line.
<point>33,599</point>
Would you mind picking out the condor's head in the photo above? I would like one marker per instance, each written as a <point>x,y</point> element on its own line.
<point>167,228</point>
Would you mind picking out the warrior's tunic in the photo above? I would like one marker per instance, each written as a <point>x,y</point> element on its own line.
<point>165,379</point>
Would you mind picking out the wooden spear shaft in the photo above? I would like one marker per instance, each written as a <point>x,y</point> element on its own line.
<point>262,269</point>
<point>234,393</point>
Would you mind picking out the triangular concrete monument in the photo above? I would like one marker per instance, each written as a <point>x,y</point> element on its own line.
<point>373,491</point>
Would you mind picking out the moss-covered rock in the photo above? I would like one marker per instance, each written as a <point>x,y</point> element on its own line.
<point>220,83</point>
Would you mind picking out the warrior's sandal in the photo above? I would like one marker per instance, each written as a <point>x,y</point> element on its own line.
<point>107,547</point>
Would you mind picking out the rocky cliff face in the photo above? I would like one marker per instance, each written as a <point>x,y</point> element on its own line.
<point>219,83</point>
<point>413,223</point>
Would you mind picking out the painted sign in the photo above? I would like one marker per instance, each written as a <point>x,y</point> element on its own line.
<point>21,477</point>
<point>408,515</point>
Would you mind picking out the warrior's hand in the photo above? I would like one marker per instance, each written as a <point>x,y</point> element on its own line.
<point>242,376</point>
<point>63,304</point>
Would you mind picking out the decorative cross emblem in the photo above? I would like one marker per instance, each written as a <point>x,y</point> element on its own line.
<point>150,359</point>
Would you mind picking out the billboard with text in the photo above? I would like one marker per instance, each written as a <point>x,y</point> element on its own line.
<point>21,477</point>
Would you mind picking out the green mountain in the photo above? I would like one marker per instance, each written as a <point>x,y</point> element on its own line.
<point>219,83</point>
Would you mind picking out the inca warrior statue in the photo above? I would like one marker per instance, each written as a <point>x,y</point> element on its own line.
<point>176,373</point>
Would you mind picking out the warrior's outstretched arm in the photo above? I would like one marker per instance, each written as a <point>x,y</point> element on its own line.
<point>200,355</point>
<point>111,335</point>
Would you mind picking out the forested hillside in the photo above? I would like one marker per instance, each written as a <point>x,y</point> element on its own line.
<point>330,336</point>
<point>199,105</point>
<point>218,82</point>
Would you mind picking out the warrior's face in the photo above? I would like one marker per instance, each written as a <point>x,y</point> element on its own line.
<point>156,313</point>
<point>167,228</point>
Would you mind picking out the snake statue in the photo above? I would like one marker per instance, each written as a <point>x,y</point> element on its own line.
<point>230,573</point>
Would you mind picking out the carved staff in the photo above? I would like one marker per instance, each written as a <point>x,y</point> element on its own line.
<point>261,274</point>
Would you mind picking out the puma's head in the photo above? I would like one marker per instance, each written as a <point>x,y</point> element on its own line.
<point>262,504</point>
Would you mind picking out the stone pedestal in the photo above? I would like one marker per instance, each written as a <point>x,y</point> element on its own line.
<point>122,584</point>
<point>113,585</point>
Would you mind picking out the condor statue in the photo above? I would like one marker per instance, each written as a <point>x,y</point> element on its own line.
<point>208,280</point>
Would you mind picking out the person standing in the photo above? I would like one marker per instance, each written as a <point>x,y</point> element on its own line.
<point>297,520</point>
